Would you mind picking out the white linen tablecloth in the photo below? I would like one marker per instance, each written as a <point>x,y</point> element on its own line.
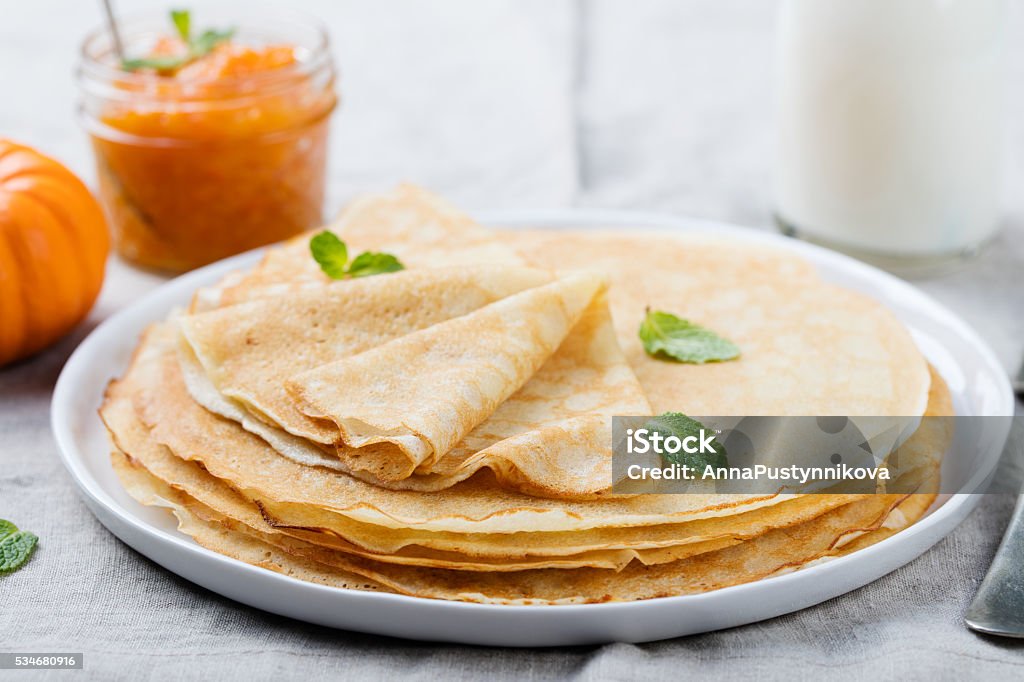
<point>655,105</point>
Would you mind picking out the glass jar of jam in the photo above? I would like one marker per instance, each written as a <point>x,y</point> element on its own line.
<point>204,150</point>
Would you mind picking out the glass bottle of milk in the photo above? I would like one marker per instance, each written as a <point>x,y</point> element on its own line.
<point>889,116</point>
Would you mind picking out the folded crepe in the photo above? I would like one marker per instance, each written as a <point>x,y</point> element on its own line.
<point>417,396</point>
<point>423,400</point>
<point>551,438</point>
<point>249,350</point>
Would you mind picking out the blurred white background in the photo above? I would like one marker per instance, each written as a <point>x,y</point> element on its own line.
<point>653,104</point>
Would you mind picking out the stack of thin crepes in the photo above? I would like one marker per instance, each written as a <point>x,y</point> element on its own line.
<point>445,431</point>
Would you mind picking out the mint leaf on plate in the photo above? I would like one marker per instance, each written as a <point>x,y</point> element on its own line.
<point>669,337</point>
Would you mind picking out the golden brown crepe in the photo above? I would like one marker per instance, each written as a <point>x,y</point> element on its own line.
<point>155,385</point>
<point>769,553</point>
<point>809,347</point>
<point>249,350</point>
<point>677,542</point>
<point>563,410</point>
<point>557,424</point>
<point>445,432</point>
<point>581,548</point>
<point>417,396</point>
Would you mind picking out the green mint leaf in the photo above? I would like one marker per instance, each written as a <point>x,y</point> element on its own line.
<point>669,337</point>
<point>331,253</point>
<point>182,20</point>
<point>679,425</point>
<point>207,40</point>
<point>156,63</point>
<point>15,550</point>
<point>7,528</point>
<point>370,263</point>
<point>199,46</point>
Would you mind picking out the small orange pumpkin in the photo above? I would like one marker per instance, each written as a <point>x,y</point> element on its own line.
<point>53,249</point>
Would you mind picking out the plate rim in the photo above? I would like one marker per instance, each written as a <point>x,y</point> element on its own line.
<point>953,510</point>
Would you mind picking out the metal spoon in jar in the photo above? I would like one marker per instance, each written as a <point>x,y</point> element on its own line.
<point>115,34</point>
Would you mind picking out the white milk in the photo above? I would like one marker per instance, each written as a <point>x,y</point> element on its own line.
<point>889,117</point>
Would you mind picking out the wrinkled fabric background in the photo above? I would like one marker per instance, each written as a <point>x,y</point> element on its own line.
<point>659,105</point>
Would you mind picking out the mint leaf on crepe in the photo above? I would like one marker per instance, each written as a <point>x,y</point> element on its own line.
<point>679,425</point>
<point>16,546</point>
<point>332,255</point>
<point>369,263</point>
<point>669,337</point>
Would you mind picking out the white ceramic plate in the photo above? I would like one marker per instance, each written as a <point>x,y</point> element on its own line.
<point>976,379</point>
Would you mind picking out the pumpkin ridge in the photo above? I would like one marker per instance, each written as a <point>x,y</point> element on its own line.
<point>90,267</point>
<point>53,247</point>
<point>12,301</point>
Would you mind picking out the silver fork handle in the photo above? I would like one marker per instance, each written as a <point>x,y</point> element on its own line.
<point>998,607</point>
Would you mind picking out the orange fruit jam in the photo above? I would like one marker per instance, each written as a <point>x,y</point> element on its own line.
<point>221,155</point>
